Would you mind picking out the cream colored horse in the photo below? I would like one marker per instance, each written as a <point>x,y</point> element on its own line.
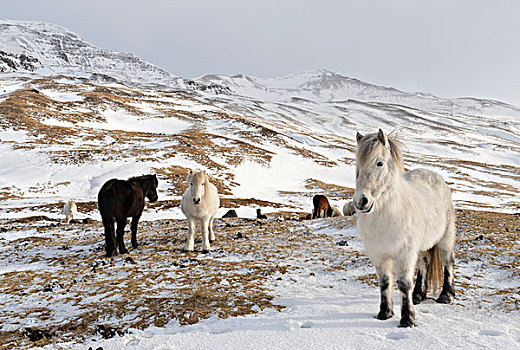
<point>70,210</point>
<point>335,211</point>
<point>404,219</point>
<point>200,204</point>
<point>349,209</point>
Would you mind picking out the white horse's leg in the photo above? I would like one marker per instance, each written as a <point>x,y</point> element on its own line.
<point>405,271</point>
<point>211,232</point>
<point>448,260</point>
<point>384,276</point>
<point>191,236</point>
<point>421,284</point>
<point>204,225</point>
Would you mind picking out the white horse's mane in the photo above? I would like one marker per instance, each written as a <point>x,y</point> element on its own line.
<point>367,150</point>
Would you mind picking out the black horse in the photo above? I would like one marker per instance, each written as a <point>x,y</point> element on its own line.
<point>120,199</point>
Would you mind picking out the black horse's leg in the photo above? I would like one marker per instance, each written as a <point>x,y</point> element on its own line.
<point>384,275</point>
<point>120,233</point>
<point>133,227</point>
<point>110,237</point>
<point>448,292</point>
<point>421,284</point>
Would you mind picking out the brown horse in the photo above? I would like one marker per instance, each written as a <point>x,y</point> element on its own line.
<point>322,208</point>
<point>120,199</point>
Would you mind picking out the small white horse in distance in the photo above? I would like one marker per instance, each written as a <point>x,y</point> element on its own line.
<point>69,210</point>
<point>405,218</point>
<point>200,203</point>
<point>349,209</point>
<point>335,211</point>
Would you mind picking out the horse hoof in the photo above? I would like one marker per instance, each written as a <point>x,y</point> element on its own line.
<point>211,241</point>
<point>384,315</point>
<point>406,323</point>
<point>205,251</point>
<point>417,298</point>
<point>444,299</point>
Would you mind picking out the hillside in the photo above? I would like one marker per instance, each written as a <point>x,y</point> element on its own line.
<point>73,116</point>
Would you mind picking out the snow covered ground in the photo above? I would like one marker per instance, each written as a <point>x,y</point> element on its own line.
<point>342,317</point>
<point>330,309</point>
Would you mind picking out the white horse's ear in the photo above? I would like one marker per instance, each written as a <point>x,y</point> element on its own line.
<point>358,137</point>
<point>382,137</point>
<point>189,176</point>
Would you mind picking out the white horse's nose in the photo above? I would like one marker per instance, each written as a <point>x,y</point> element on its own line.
<point>196,200</point>
<point>362,203</point>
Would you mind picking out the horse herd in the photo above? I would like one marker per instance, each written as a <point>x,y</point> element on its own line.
<point>405,219</point>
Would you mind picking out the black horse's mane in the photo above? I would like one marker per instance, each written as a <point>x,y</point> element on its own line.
<point>138,178</point>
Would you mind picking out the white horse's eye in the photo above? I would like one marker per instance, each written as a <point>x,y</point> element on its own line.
<point>191,184</point>
<point>379,163</point>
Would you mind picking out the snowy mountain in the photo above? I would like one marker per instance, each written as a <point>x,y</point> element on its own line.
<point>49,49</point>
<point>324,86</point>
<point>309,118</point>
<point>73,116</point>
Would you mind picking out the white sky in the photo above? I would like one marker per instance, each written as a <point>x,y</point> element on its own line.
<point>451,48</point>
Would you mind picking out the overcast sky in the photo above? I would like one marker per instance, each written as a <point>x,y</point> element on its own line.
<point>451,48</point>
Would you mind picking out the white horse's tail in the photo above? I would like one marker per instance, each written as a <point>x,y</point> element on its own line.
<point>435,271</point>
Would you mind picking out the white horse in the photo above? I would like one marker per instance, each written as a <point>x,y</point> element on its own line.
<point>335,211</point>
<point>349,209</point>
<point>404,218</point>
<point>69,210</point>
<point>200,203</point>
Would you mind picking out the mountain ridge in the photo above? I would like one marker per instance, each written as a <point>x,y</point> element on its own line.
<point>326,86</point>
<point>32,47</point>
<point>29,47</point>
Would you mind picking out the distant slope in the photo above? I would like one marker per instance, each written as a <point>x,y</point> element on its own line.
<point>325,86</point>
